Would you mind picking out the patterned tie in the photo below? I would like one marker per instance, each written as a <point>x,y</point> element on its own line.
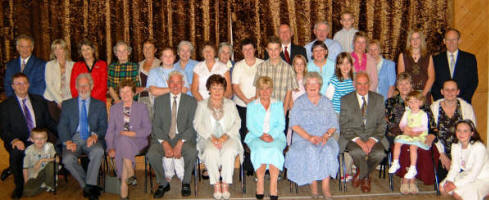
<point>22,66</point>
<point>364,110</point>
<point>27,115</point>
<point>286,55</point>
<point>173,125</point>
<point>84,121</point>
<point>452,64</point>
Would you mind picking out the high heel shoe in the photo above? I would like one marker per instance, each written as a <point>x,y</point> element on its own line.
<point>259,196</point>
<point>273,197</point>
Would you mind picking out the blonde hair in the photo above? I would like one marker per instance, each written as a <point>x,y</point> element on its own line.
<point>415,95</point>
<point>264,81</point>
<point>63,45</point>
<point>300,57</point>
<point>424,50</point>
<point>40,131</point>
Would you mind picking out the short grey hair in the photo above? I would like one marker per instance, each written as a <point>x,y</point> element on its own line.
<point>119,43</point>
<point>24,37</point>
<point>183,43</point>
<point>313,75</point>
<point>87,76</point>
<point>225,44</point>
<point>322,22</point>
<point>361,73</point>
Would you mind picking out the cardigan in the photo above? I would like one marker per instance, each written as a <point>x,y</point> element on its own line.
<point>53,80</point>
<point>476,167</point>
<point>99,76</point>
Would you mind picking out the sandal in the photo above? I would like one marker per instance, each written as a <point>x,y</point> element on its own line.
<point>131,181</point>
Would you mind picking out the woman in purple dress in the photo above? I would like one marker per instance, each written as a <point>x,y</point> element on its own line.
<point>127,134</point>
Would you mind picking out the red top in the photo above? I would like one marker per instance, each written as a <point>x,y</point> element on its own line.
<point>99,76</point>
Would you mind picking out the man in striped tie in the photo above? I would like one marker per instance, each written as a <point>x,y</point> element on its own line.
<point>19,114</point>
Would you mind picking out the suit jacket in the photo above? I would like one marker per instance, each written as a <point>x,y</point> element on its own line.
<point>53,80</point>
<point>185,118</point>
<point>68,122</point>
<point>465,74</point>
<point>13,124</point>
<point>34,69</point>
<point>139,122</point>
<point>351,119</point>
<point>294,50</point>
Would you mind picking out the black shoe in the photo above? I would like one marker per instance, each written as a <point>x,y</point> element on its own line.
<point>259,196</point>
<point>249,172</point>
<point>93,197</point>
<point>86,191</point>
<point>161,191</point>
<point>5,173</point>
<point>273,197</point>
<point>94,190</point>
<point>205,176</point>
<point>17,193</point>
<point>186,191</point>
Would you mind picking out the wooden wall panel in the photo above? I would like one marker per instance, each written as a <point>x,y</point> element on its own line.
<point>470,17</point>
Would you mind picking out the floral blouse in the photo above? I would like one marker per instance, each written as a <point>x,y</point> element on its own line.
<point>394,109</point>
<point>446,127</point>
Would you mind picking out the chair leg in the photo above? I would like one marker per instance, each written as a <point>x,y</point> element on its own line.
<point>55,174</point>
<point>243,178</point>
<point>339,174</point>
<point>196,174</point>
<point>150,179</point>
<point>344,172</point>
<point>145,175</point>
<point>435,171</point>
<point>391,176</point>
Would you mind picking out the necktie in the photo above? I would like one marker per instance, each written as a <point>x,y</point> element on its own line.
<point>173,125</point>
<point>286,55</point>
<point>84,121</point>
<point>22,66</point>
<point>27,115</point>
<point>364,109</point>
<point>452,64</point>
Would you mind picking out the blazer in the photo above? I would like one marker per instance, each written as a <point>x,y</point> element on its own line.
<point>351,119</point>
<point>12,121</point>
<point>476,167</point>
<point>185,119</point>
<point>34,69</point>
<point>68,122</point>
<point>139,123</point>
<point>53,80</point>
<point>255,116</point>
<point>99,76</point>
<point>294,50</point>
<point>231,124</point>
<point>386,77</point>
<point>465,74</point>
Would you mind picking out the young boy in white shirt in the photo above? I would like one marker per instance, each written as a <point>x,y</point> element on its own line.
<point>345,35</point>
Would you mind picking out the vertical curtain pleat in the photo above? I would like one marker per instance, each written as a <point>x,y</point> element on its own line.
<point>107,21</point>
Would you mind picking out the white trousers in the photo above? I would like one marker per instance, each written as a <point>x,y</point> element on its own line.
<point>223,158</point>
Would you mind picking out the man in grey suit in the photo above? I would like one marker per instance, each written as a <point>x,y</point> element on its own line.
<point>362,127</point>
<point>173,134</point>
<point>81,129</point>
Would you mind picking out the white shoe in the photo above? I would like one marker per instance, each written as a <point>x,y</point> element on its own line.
<point>394,167</point>
<point>226,195</point>
<point>411,173</point>
<point>217,195</point>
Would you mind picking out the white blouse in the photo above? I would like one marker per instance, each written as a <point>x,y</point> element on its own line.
<point>204,73</point>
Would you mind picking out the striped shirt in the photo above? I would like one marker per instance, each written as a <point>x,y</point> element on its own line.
<point>282,75</point>
<point>341,88</point>
<point>118,72</point>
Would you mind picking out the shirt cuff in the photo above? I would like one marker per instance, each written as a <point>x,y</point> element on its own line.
<point>183,140</point>
<point>355,139</point>
<point>160,141</point>
<point>374,139</point>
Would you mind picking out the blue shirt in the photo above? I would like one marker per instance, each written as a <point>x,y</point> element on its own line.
<point>326,74</point>
<point>387,77</point>
<point>341,88</point>
<point>80,104</point>
<point>158,77</point>
<point>334,48</point>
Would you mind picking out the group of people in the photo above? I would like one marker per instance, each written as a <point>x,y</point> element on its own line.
<point>296,109</point>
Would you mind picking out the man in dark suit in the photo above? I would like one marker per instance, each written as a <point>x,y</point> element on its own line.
<point>173,133</point>
<point>288,50</point>
<point>82,128</point>
<point>362,127</point>
<point>455,64</point>
<point>19,114</point>
<point>28,64</point>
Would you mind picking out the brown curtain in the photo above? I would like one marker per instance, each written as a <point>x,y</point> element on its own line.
<point>169,21</point>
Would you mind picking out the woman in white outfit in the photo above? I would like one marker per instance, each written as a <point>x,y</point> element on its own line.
<point>468,177</point>
<point>217,123</point>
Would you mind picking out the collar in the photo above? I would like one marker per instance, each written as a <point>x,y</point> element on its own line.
<point>288,45</point>
<point>455,53</point>
<point>359,97</point>
<point>173,96</point>
<point>20,99</point>
<point>26,59</point>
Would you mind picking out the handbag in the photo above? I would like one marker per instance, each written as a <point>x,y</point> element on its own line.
<point>112,182</point>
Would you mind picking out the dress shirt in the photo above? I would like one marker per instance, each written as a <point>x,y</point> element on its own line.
<point>171,107</point>
<point>360,102</point>
<point>345,38</point>
<point>455,55</point>
<point>289,48</point>
<point>80,105</point>
<point>29,106</point>
<point>334,48</point>
<point>25,60</point>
